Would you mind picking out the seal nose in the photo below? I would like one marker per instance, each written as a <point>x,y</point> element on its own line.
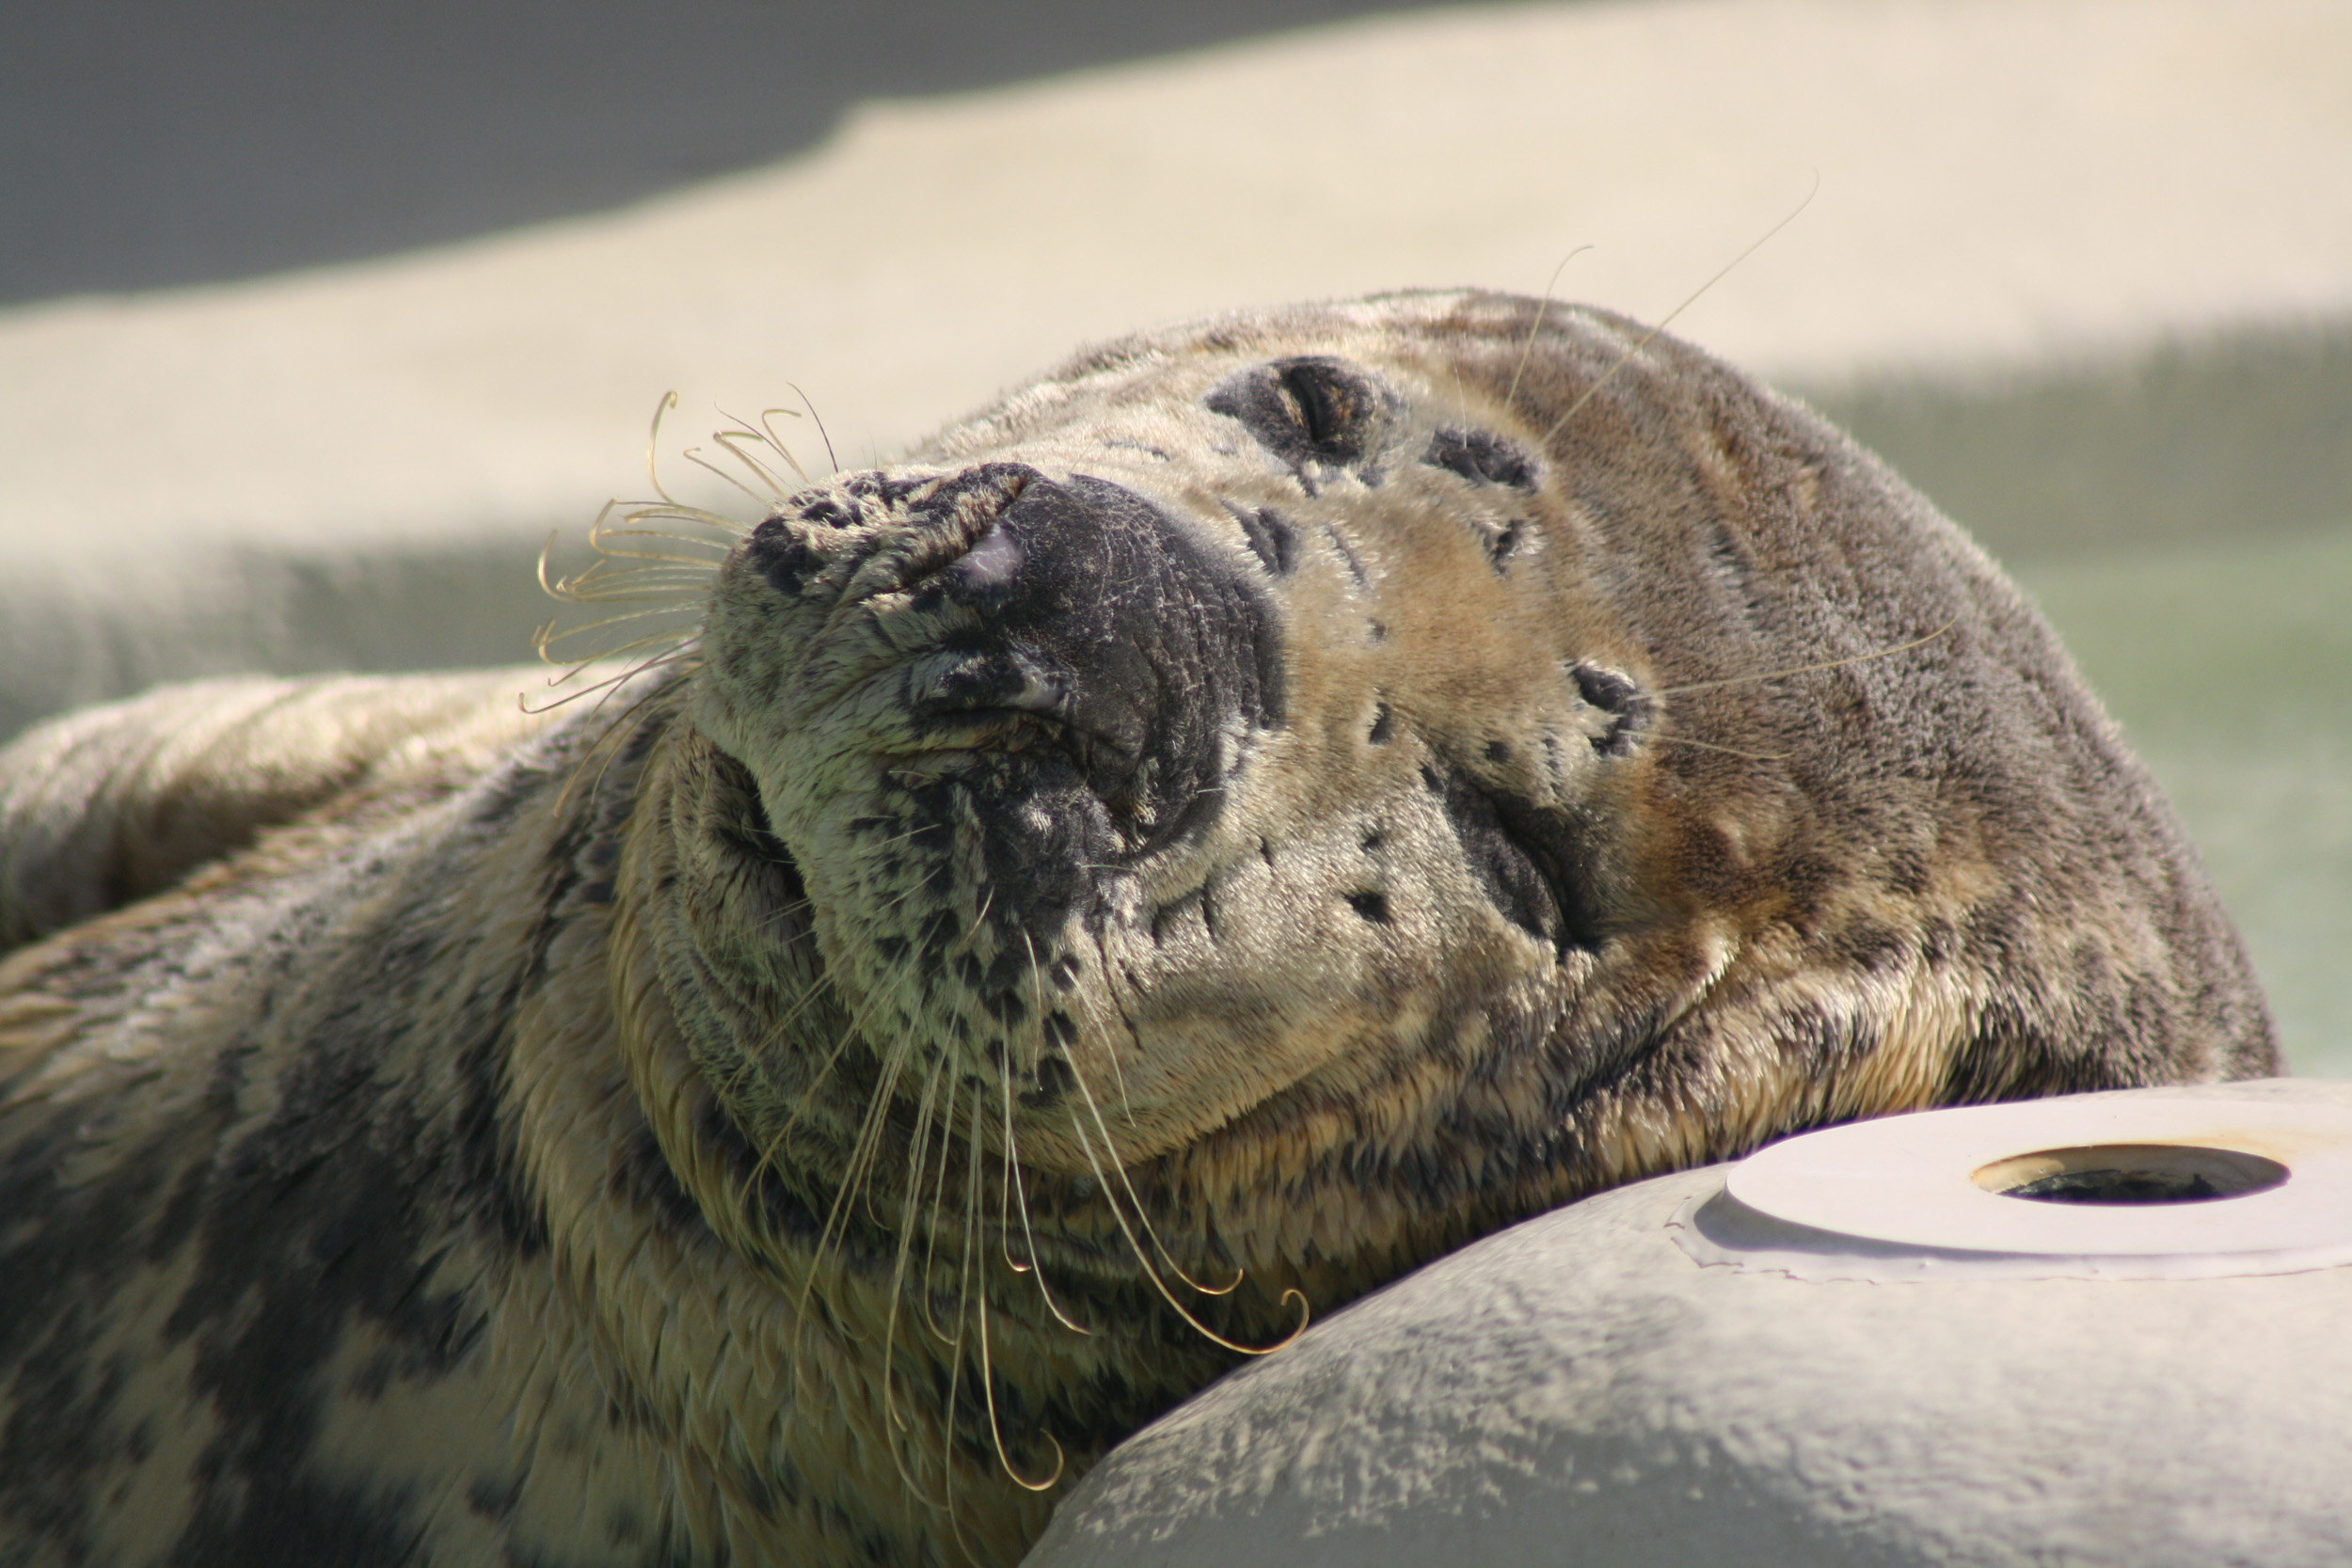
<point>871,534</point>
<point>1074,604</point>
<point>1087,605</point>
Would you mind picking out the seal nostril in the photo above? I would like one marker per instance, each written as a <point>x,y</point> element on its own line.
<point>781,556</point>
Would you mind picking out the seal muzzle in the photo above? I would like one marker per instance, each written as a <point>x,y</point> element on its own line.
<point>1013,613</point>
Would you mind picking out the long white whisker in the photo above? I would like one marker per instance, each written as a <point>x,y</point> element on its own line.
<point>1806,669</point>
<point>939,1201</point>
<point>1534,329</point>
<point>1649,337</point>
<point>1135,1249</point>
<point>893,1422</point>
<point>988,1376</point>
<point>1019,1189</point>
<point>819,420</point>
<point>1111,1151</point>
<point>693,455</point>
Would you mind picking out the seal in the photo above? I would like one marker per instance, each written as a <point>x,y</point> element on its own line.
<point>1266,802</point>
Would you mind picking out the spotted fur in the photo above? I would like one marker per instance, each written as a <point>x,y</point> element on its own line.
<point>1269,802</point>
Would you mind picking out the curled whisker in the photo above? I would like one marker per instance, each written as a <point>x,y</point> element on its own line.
<point>693,455</point>
<point>1111,1151</point>
<point>988,1373</point>
<point>939,1199</point>
<point>733,439</point>
<point>1136,1250</point>
<point>635,522</point>
<point>819,420</point>
<point>1536,327</point>
<point>1016,1189</point>
<point>893,1421</point>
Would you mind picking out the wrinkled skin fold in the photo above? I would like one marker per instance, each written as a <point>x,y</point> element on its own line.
<point>1266,802</point>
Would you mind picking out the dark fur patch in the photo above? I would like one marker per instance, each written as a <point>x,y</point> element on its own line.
<point>1503,543</point>
<point>1054,1080</point>
<point>1617,694</point>
<point>1310,409</point>
<point>309,1231</point>
<point>1482,457</point>
<point>1271,537</point>
<point>63,1277</point>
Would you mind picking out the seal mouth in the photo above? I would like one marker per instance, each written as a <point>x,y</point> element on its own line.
<point>1107,768</point>
<point>1008,698</point>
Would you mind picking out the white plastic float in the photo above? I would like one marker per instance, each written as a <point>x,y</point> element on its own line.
<point>1878,1344</point>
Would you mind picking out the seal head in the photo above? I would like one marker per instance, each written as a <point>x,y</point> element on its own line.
<point>1435,723</point>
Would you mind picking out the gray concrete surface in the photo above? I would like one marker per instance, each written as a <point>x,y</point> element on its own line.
<point>1579,1390</point>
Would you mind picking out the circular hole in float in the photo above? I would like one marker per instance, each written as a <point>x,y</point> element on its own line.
<point>2131,1184</point>
<point>2130,1174</point>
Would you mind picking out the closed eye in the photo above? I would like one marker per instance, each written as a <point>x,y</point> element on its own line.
<point>1524,861</point>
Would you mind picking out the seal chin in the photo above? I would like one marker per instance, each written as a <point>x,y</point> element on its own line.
<point>975,703</point>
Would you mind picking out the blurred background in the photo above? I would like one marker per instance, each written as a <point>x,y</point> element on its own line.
<point>316,321</point>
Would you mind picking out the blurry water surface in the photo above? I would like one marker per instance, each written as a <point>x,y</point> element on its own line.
<point>2228,665</point>
<point>2185,520</point>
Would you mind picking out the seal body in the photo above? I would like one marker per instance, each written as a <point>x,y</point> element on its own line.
<point>1264,803</point>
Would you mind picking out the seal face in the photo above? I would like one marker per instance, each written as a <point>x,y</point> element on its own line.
<point>1270,800</point>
